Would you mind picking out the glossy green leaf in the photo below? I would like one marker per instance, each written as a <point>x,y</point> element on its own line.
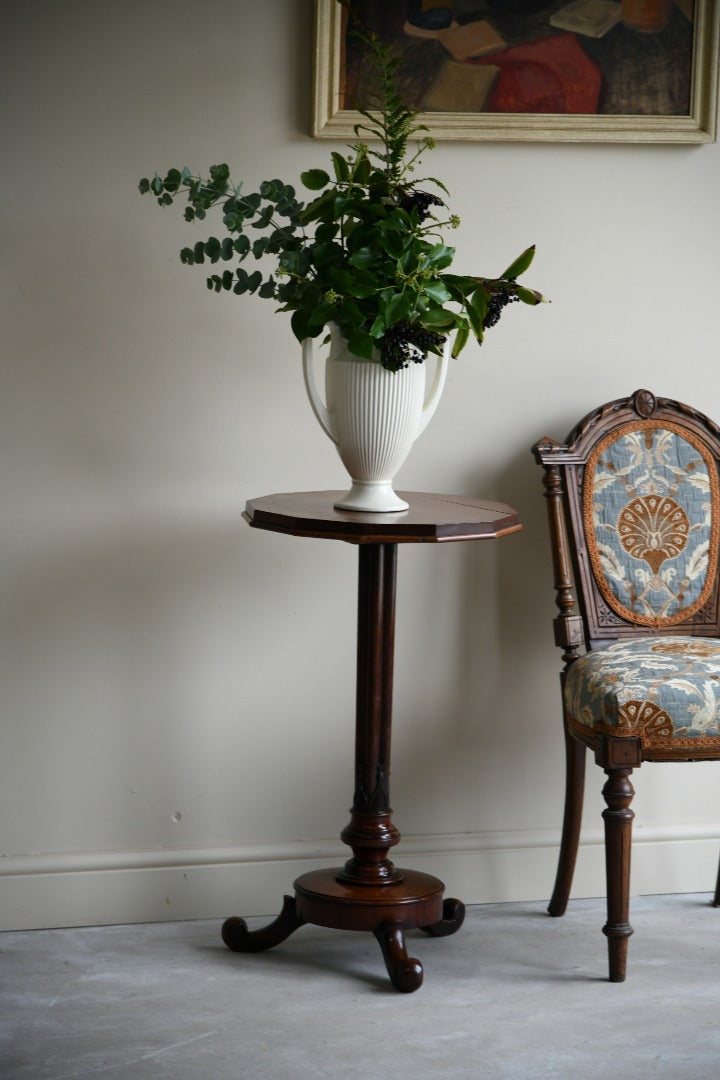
<point>317,209</point>
<point>439,256</point>
<point>521,264</point>
<point>315,179</point>
<point>478,303</point>
<point>475,313</point>
<point>461,338</point>
<point>438,319</point>
<point>528,296</point>
<point>327,231</point>
<point>361,284</point>
<point>360,343</point>
<point>341,167</point>
<point>393,243</point>
<point>398,308</point>
<point>438,291</point>
<point>364,258</point>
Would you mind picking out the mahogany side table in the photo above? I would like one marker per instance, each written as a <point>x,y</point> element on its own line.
<point>369,892</point>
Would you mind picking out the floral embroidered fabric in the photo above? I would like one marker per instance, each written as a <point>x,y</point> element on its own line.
<point>659,688</point>
<point>651,519</point>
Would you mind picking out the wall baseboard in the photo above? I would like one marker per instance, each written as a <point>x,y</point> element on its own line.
<point>104,888</point>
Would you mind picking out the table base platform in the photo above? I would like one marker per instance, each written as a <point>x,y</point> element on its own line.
<point>388,910</point>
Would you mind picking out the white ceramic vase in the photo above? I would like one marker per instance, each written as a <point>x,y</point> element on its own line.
<point>373,416</point>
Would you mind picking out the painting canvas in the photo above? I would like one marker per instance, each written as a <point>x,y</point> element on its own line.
<point>604,70</point>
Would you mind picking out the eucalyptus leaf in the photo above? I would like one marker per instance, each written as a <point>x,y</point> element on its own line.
<point>212,248</point>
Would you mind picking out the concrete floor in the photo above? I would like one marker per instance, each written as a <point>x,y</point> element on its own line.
<point>515,995</point>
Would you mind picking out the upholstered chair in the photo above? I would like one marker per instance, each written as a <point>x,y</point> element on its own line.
<point>633,500</point>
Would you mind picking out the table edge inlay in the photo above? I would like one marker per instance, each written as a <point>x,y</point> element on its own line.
<point>431,518</point>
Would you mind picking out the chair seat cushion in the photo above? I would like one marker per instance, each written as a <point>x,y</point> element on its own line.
<point>666,690</point>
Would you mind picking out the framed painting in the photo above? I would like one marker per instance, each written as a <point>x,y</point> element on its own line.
<point>567,70</point>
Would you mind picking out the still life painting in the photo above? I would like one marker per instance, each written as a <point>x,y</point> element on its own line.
<point>603,70</point>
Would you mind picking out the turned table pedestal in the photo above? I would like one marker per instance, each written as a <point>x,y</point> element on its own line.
<point>369,892</point>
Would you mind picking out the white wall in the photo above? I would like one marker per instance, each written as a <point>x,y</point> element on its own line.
<point>177,689</point>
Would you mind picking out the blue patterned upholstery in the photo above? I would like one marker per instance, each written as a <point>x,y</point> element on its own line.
<point>650,509</point>
<point>664,689</point>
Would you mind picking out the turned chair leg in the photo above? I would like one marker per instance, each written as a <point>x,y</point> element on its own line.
<point>572,819</point>
<point>618,793</point>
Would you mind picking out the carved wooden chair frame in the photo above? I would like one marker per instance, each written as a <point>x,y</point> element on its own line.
<point>589,619</point>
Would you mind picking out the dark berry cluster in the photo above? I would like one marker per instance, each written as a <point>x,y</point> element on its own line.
<point>420,201</point>
<point>496,304</point>
<point>405,342</point>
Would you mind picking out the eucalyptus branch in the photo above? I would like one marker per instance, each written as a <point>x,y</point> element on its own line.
<point>366,252</point>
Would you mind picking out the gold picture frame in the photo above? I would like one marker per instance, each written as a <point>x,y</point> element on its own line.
<point>331,121</point>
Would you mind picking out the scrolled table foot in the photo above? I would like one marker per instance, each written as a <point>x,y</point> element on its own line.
<point>453,917</point>
<point>237,937</point>
<point>406,974</point>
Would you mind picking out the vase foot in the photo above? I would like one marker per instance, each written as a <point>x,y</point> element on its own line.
<point>372,497</point>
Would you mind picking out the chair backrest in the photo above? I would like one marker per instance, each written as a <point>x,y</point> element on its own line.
<point>634,508</point>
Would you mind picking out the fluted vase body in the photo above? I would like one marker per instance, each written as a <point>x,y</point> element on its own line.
<point>373,416</point>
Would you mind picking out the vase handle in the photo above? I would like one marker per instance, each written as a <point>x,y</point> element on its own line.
<point>321,412</point>
<point>433,398</point>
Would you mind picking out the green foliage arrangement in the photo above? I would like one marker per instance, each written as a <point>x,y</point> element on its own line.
<point>367,253</point>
